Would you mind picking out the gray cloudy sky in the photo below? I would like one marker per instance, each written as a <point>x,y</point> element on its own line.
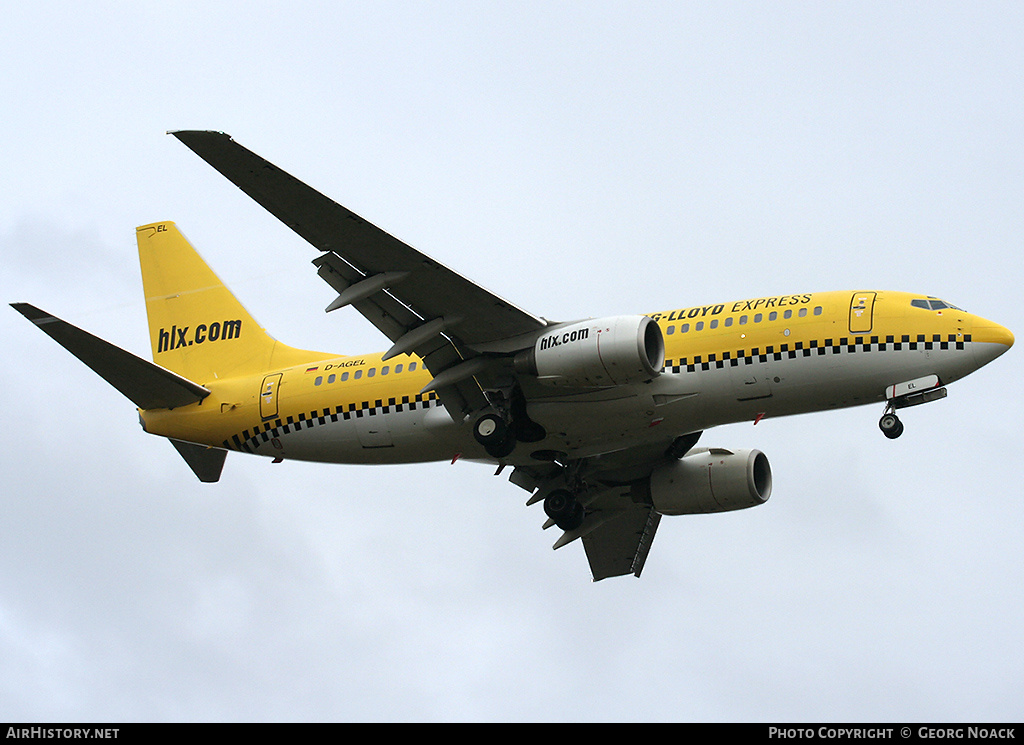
<point>579,159</point>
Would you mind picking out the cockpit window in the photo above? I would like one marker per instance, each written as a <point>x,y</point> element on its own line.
<point>932,304</point>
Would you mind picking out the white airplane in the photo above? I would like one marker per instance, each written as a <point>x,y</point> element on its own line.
<point>598,419</point>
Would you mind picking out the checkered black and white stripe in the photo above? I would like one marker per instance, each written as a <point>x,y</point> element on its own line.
<point>247,440</point>
<point>843,345</point>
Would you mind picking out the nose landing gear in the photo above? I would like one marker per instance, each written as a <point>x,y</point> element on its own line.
<point>903,395</point>
<point>890,425</point>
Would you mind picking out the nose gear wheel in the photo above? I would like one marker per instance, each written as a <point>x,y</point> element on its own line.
<point>890,425</point>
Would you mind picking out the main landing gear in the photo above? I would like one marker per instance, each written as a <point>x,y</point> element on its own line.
<point>563,507</point>
<point>500,432</point>
<point>507,424</point>
<point>495,435</point>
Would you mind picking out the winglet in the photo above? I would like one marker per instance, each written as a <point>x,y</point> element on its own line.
<point>187,132</point>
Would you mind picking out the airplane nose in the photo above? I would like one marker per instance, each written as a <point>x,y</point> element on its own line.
<point>993,333</point>
<point>990,340</point>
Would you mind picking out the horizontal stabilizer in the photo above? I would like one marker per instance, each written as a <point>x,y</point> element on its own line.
<point>148,386</point>
<point>205,462</point>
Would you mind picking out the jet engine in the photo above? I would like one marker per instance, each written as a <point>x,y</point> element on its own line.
<point>709,480</point>
<point>597,353</point>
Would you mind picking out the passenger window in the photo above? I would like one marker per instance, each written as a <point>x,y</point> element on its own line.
<point>728,321</point>
<point>743,320</point>
<point>788,314</point>
<point>412,366</point>
<point>344,377</point>
<point>670,330</point>
<point>817,310</point>
<point>803,312</point>
<point>758,317</point>
<point>772,316</point>
<point>371,372</point>
<point>319,380</point>
<point>384,370</point>
<point>684,328</point>
<point>331,378</point>
<point>358,375</point>
<point>714,324</point>
<point>398,369</point>
<point>699,326</point>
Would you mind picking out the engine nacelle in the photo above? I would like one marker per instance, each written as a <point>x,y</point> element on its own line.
<point>710,480</point>
<point>597,353</point>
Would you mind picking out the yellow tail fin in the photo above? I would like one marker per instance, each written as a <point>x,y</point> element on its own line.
<point>197,327</point>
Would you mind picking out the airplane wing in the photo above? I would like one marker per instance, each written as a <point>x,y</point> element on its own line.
<point>618,530</point>
<point>620,546</point>
<point>458,329</point>
<point>422,306</point>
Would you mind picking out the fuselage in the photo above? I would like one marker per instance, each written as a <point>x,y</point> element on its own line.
<point>726,362</point>
<point>598,418</point>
